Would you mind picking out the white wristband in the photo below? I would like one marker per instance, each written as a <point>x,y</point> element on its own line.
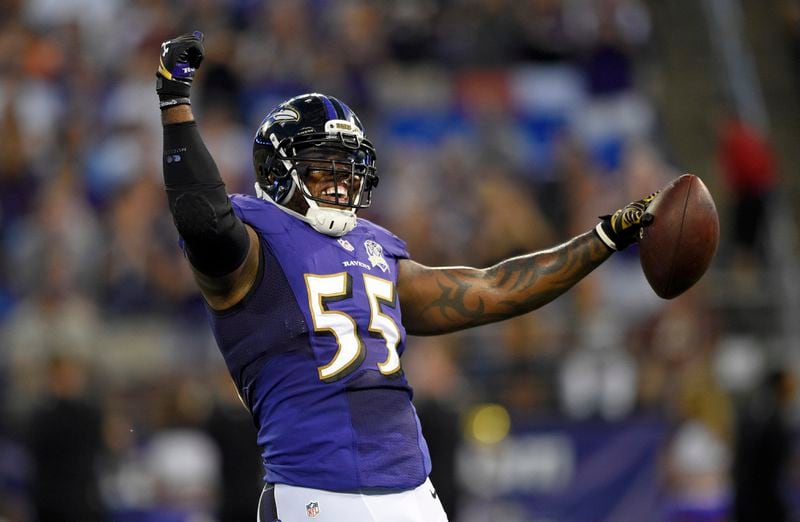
<point>173,102</point>
<point>604,237</point>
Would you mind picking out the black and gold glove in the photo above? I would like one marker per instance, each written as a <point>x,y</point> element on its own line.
<point>179,60</point>
<point>624,227</point>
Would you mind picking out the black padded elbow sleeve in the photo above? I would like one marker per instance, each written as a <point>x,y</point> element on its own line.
<point>215,238</point>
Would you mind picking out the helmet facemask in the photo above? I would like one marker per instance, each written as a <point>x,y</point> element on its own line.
<point>331,178</point>
<point>334,171</point>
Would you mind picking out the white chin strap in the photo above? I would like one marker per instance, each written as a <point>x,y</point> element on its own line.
<point>329,221</point>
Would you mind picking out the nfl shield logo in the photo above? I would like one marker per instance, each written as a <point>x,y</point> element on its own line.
<point>346,245</point>
<point>312,509</point>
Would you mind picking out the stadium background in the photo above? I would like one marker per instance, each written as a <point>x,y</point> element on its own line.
<point>502,126</point>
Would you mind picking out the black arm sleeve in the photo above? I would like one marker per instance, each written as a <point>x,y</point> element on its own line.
<point>216,239</point>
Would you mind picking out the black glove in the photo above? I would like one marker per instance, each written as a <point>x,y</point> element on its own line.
<point>623,227</point>
<point>180,58</point>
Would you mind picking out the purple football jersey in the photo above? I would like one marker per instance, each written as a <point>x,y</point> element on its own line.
<point>314,350</point>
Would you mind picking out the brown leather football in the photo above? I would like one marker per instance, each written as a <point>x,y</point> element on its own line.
<point>677,248</point>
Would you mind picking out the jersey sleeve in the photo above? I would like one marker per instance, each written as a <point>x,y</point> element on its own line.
<point>244,206</point>
<point>393,244</point>
<point>262,215</point>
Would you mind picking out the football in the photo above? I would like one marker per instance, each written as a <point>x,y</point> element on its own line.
<point>676,249</point>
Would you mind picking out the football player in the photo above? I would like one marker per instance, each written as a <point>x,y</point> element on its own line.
<point>310,305</point>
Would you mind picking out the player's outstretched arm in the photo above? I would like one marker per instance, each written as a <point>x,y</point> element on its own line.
<point>223,251</point>
<point>441,300</point>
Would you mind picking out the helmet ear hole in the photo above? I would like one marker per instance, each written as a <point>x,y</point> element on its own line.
<point>274,169</point>
<point>261,173</point>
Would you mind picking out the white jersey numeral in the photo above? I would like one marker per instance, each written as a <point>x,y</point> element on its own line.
<point>351,353</point>
<point>351,350</point>
<point>382,291</point>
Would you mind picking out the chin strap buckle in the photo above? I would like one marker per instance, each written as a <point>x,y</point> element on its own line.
<point>331,221</point>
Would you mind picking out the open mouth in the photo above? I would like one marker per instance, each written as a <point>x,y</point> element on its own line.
<point>335,194</point>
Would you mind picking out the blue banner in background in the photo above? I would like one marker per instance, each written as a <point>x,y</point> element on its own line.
<point>563,472</point>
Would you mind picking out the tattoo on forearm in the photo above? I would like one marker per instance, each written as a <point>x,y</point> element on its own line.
<point>514,286</point>
<point>454,286</point>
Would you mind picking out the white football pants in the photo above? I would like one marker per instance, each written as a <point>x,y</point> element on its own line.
<point>296,504</point>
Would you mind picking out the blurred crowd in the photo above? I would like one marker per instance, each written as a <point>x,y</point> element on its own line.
<point>502,127</point>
